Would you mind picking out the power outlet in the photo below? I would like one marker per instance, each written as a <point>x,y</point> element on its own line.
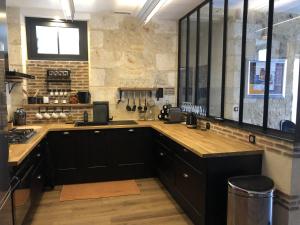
<point>252,139</point>
<point>207,126</point>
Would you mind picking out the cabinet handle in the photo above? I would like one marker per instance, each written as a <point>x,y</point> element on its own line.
<point>185,150</point>
<point>185,175</point>
<point>97,131</point>
<point>131,130</point>
<point>66,133</point>
<point>161,154</point>
<point>39,177</point>
<point>38,155</point>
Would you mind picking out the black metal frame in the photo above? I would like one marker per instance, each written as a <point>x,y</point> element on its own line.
<point>31,24</point>
<point>260,129</point>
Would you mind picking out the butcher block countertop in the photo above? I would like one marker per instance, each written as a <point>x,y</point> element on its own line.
<point>202,143</point>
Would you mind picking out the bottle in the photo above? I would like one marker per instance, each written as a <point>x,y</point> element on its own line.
<point>85,117</point>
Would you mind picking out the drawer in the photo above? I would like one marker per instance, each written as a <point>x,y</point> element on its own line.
<point>190,183</point>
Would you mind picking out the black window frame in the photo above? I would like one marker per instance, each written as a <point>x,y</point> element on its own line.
<point>264,129</point>
<point>32,22</point>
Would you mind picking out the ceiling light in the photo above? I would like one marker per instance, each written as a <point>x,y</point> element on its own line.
<point>68,9</point>
<point>149,9</point>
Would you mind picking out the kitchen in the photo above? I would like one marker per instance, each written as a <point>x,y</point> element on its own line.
<point>161,102</point>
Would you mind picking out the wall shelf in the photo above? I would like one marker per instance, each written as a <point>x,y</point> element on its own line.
<point>37,106</point>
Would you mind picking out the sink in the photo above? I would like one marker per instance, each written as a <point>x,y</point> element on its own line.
<point>117,122</point>
<point>29,127</point>
<point>122,122</point>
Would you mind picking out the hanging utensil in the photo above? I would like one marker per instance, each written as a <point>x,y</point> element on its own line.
<point>145,106</point>
<point>134,105</point>
<point>128,107</point>
<point>140,108</point>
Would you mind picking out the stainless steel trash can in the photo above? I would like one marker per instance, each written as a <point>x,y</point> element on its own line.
<point>250,200</point>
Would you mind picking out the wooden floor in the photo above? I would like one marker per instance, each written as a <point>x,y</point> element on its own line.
<point>153,207</point>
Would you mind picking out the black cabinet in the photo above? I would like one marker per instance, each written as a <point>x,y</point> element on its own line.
<point>64,149</point>
<point>95,159</point>
<point>28,184</point>
<point>199,185</point>
<point>131,152</point>
<point>101,155</point>
<point>165,165</point>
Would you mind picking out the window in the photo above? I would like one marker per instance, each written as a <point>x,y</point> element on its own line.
<point>57,40</point>
<point>247,71</point>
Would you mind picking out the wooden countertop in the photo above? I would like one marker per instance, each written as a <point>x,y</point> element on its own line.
<point>202,143</point>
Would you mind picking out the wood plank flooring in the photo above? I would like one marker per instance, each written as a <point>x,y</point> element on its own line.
<point>153,207</point>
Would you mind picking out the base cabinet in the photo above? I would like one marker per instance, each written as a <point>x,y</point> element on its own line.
<point>199,185</point>
<point>101,155</point>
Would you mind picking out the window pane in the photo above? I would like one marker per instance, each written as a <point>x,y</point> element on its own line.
<point>233,59</point>
<point>216,58</point>
<point>69,41</point>
<point>203,57</point>
<point>284,66</point>
<point>47,40</point>
<point>192,57</point>
<point>255,66</point>
<point>182,66</point>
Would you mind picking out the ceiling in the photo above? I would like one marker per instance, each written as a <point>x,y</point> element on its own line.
<point>174,9</point>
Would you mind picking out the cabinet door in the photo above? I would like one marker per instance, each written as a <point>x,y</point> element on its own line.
<point>96,156</point>
<point>37,183</point>
<point>64,148</point>
<point>131,151</point>
<point>190,184</point>
<point>165,165</point>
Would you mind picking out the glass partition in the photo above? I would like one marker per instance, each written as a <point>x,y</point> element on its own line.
<point>233,59</point>
<point>255,61</point>
<point>284,77</point>
<point>216,58</point>
<point>202,75</point>
<point>182,62</point>
<point>192,57</point>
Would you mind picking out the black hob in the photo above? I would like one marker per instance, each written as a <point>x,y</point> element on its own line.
<point>19,136</point>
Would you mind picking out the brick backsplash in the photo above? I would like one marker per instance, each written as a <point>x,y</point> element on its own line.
<point>80,81</point>
<point>266,143</point>
<point>38,68</point>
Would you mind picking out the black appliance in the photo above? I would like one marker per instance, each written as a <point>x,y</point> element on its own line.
<point>6,186</point>
<point>84,97</point>
<point>191,120</point>
<point>19,136</point>
<point>101,112</point>
<point>20,117</point>
<point>175,116</point>
<point>28,186</point>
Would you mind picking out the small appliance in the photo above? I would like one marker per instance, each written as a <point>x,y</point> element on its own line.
<point>84,97</point>
<point>20,117</point>
<point>191,120</point>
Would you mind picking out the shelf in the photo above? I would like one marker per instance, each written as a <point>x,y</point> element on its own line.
<point>136,89</point>
<point>126,89</point>
<point>37,106</point>
<point>12,78</point>
<point>13,75</point>
<point>58,81</point>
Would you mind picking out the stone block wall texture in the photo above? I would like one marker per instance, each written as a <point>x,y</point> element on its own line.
<point>125,54</point>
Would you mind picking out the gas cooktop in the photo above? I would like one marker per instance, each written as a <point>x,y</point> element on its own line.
<point>19,136</point>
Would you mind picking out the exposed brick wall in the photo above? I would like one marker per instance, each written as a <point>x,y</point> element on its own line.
<point>280,147</point>
<point>80,81</point>
<point>38,68</point>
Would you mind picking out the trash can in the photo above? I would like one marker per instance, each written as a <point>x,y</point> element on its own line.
<point>250,200</point>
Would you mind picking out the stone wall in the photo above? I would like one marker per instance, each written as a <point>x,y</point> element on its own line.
<point>17,56</point>
<point>125,54</point>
